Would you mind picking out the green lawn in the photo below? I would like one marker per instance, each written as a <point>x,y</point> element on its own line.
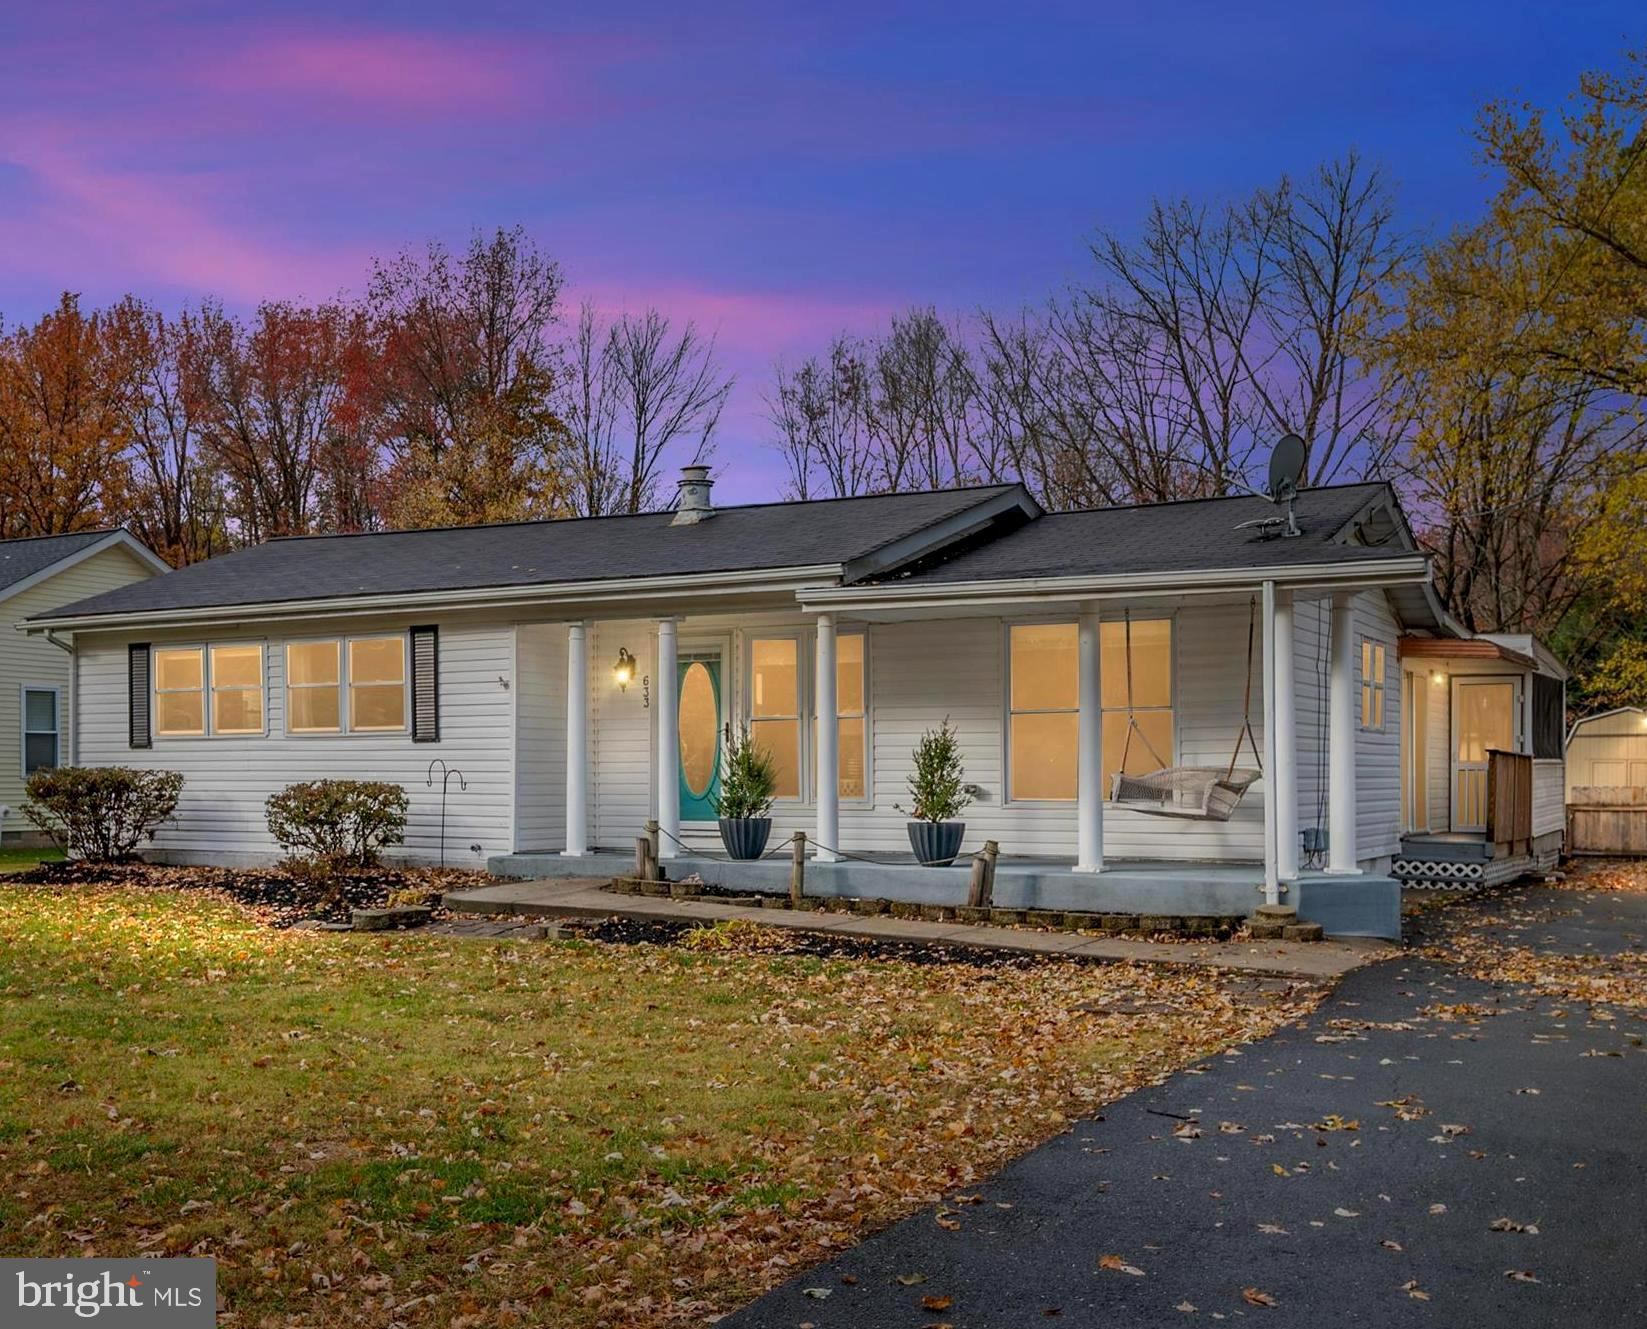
<point>440,1131</point>
<point>16,859</point>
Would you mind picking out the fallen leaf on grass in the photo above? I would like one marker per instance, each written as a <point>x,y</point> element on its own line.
<point>1253,1297</point>
<point>930,1303</point>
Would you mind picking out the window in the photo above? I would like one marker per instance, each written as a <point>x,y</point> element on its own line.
<point>369,671</point>
<point>1150,706</point>
<point>1372,684</point>
<point>180,691</point>
<point>775,707</point>
<point>231,676</point>
<point>237,689</point>
<point>1044,724</point>
<point>1042,728</point>
<point>851,690</point>
<point>41,741</point>
<point>314,687</point>
<point>851,687</point>
<point>377,684</point>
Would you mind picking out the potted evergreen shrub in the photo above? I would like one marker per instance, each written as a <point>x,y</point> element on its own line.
<point>748,782</point>
<point>937,786</point>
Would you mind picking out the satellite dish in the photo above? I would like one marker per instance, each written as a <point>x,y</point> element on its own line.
<point>1287,464</point>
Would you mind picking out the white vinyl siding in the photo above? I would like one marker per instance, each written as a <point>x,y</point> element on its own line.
<point>220,816</point>
<point>35,661</point>
<point>1377,752</point>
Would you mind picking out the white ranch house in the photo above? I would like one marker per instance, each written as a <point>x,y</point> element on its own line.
<point>496,650</point>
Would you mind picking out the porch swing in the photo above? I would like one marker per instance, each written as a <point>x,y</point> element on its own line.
<point>1192,793</point>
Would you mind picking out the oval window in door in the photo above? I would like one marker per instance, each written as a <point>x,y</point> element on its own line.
<point>700,726</point>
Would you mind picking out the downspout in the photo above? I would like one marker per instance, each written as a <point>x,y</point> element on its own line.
<point>67,646</point>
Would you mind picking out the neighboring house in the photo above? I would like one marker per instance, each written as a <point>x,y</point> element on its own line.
<point>494,648</point>
<point>36,673</point>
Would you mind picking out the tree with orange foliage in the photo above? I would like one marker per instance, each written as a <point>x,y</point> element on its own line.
<point>62,424</point>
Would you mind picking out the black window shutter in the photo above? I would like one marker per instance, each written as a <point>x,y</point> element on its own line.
<point>425,685</point>
<point>137,695</point>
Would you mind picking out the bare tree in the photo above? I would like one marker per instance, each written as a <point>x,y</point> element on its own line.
<point>589,407</point>
<point>176,501</point>
<point>821,412</point>
<point>666,392</point>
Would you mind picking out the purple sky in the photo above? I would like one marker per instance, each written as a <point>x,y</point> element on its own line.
<point>774,173</point>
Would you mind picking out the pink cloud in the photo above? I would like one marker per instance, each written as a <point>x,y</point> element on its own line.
<point>138,228</point>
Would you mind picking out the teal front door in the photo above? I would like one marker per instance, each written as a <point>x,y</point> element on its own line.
<point>700,736</point>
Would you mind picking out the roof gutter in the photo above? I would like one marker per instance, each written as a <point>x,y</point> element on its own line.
<point>1016,590</point>
<point>709,586</point>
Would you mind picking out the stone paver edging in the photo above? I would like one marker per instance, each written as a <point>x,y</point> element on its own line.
<point>588,897</point>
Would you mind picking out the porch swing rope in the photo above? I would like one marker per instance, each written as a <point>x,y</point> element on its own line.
<point>1162,792</point>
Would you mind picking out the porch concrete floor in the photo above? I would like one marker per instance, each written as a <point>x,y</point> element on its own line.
<point>586,897</point>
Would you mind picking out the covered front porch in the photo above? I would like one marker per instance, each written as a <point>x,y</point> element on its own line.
<point>1052,689</point>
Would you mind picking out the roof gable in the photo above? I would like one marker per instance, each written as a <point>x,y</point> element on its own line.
<point>33,559</point>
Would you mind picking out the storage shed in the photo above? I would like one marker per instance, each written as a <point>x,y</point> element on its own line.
<point>1608,750</point>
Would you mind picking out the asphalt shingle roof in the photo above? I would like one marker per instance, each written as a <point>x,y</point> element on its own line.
<point>21,559</point>
<point>1196,534</point>
<point>735,539</point>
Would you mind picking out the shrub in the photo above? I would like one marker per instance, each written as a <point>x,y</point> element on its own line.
<point>937,783</point>
<point>338,822</point>
<point>749,779</point>
<point>101,813</point>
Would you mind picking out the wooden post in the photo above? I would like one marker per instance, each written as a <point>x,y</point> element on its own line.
<point>652,837</point>
<point>980,890</point>
<point>797,870</point>
<point>643,858</point>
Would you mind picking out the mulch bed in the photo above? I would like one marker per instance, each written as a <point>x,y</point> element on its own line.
<point>818,945</point>
<point>278,897</point>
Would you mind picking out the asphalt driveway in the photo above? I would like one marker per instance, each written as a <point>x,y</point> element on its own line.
<point>1495,1173</point>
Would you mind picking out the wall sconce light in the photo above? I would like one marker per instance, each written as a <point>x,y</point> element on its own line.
<point>1437,677</point>
<point>624,670</point>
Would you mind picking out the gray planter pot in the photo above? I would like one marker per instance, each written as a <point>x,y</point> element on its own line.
<point>936,842</point>
<point>745,837</point>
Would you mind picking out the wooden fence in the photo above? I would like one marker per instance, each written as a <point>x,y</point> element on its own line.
<point>1510,800</point>
<point>1607,819</point>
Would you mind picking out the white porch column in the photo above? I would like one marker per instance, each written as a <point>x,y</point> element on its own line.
<point>829,756</point>
<point>1341,853</point>
<point>577,739</point>
<point>668,742</point>
<point>1089,768</point>
<point>1272,865</point>
<point>1283,723</point>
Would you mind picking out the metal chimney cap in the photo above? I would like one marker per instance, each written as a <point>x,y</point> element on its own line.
<point>693,504</point>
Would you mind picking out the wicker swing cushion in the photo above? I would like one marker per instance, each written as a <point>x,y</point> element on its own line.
<point>1197,793</point>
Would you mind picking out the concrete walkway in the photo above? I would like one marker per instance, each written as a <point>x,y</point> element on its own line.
<point>585,897</point>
